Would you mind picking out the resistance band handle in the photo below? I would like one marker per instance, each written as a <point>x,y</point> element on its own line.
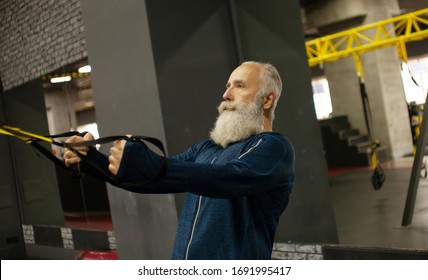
<point>67,134</point>
<point>109,139</point>
<point>34,139</point>
<point>108,177</point>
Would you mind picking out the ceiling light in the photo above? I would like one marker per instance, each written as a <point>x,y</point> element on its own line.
<point>60,79</point>
<point>84,69</point>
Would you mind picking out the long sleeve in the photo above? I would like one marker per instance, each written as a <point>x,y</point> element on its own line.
<point>268,164</point>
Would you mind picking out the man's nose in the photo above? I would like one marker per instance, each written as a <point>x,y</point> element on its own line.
<point>228,96</point>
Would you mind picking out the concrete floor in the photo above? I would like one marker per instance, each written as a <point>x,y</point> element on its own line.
<point>372,218</point>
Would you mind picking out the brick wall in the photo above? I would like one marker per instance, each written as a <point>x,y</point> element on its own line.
<point>292,251</point>
<point>68,238</point>
<point>38,37</point>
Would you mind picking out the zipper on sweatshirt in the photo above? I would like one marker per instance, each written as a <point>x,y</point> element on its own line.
<point>194,222</point>
<point>193,228</point>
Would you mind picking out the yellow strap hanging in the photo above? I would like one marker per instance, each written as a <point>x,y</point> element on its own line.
<point>359,66</point>
<point>5,132</point>
<point>22,134</point>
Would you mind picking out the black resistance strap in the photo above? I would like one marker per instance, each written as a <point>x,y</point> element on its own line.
<point>35,139</point>
<point>378,177</point>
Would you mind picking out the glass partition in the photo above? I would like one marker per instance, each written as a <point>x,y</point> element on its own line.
<point>70,106</point>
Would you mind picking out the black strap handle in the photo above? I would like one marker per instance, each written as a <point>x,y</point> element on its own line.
<point>34,139</point>
<point>108,177</point>
<point>94,168</point>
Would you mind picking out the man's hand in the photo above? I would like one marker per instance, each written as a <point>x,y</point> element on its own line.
<point>115,157</point>
<point>70,156</point>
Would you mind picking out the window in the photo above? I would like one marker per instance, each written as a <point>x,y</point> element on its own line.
<point>321,96</point>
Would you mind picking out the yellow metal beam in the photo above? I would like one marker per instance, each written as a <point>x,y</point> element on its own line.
<point>394,31</point>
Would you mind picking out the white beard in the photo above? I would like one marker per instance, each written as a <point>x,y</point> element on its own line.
<point>237,121</point>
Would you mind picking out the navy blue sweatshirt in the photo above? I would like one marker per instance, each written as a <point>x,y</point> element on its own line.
<point>234,195</point>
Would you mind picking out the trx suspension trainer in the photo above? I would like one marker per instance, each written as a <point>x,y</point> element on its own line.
<point>34,140</point>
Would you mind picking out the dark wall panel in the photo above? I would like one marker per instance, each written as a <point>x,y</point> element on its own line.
<point>11,239</point>
<point>194,52</point>
<point>36,177</point>
<point>127,102</point>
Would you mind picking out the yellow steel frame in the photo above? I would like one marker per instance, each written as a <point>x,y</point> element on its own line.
<point>353,42</point>
<point>394,31</point>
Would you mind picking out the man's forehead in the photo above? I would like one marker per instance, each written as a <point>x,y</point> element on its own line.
<point>245,72</point>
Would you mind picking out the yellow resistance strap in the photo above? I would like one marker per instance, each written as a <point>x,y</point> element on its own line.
<point>22,134</point>
<point>33,139</point>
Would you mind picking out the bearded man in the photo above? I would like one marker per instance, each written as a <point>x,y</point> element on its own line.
<point>237,183</point>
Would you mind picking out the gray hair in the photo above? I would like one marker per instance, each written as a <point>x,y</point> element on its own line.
<point>270,82</point>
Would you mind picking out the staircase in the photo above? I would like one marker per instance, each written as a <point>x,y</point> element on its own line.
<point>345,146</point>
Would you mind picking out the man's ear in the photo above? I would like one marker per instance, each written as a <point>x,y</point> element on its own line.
<point>269,100</point>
